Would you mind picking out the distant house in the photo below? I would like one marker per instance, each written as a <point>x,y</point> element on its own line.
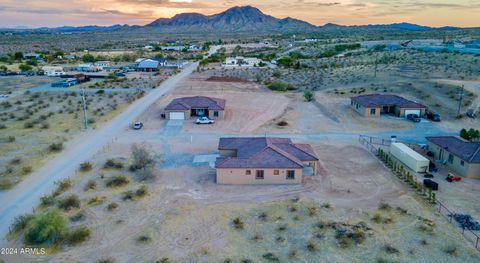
<point>35,56</point>
<point>172,48</point>
<point>198,106</point>
<point>103,64</point>
<point>462,156</point>
<point>148,65</point>
<point>377,104</point>
<point>88,67</point>
<point>262,160</point>
<point>241,62</point>
<point>194,48</point>
<point>65,83</point>
<point>53,71</point>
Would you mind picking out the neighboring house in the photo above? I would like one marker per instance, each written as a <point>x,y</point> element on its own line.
<point>264,160</point>
<point>147,65</point>
<point>198,106</point>
<point>377,104</point>
<point>462,156</point>
<point>241,62</point>
<point>172,48</point>
<point>88,67</point>
<point>194,48</point>
<point>35,56</point>
<point>65,83</point>
<point>103,64</point>
<point>53,71</point>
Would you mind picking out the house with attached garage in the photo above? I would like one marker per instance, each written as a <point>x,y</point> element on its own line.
<point>264,160</point>
<point>460,155</point>
<point>241,62</point>
<point>198,106</point>
<point>373,105</point>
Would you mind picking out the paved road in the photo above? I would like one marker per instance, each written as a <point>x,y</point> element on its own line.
<point>22,198</point>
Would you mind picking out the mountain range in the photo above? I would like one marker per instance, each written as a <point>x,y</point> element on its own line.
<point>237,19</point>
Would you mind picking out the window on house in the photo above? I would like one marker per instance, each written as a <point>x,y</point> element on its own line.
<point>248,172</point>
<point>290,174</point>
<point>450,158</point>
<point>276,172</point>
<point>373,111</point>
<point>215,114</point>
<point>260,174</point>
<point>462,163</point>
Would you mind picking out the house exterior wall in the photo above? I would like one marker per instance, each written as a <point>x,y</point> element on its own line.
<point>365,111</point>
<point>188,114</point>
<point>470,170</point>
<point>239,176</point>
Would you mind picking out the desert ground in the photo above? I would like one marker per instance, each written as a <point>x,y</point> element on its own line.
<point>353,210</point>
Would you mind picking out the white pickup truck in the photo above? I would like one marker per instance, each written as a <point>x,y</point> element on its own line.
<point>204,120</point>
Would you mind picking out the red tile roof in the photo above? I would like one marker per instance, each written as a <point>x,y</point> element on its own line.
<point>262,152</point>
<point>197,102</point>
<point>378,100</point>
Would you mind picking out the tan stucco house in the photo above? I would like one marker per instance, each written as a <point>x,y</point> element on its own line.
<point>198,106</point>
<point>461,156</point>
<point>373,105</point>
<point>263,160</point>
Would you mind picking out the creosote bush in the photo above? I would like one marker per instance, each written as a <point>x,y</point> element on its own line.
<point>46,229</point>
<point>117,181</point>
<point>78,235</point>
<point>86,166</point>
<point>69,202</point>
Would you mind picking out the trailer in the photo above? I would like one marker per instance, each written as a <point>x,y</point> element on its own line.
<point>410,158</point>
<point>430,184</point>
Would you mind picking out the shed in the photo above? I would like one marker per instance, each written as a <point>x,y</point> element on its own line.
<point>409,157</point>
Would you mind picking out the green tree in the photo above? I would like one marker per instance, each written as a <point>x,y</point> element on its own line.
<point>18,56</point>
<point>3,68</point>
<point>47,228</point>
<point>25,67</point>
<point>88,58</point>
<point>309,95</point>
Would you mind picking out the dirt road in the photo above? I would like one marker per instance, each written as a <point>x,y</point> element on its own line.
<point>25,195</point>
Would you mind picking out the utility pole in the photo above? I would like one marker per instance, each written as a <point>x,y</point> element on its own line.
<point>460,101</point>
<point>84,110</point>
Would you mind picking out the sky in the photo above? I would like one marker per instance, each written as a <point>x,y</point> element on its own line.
<point>52,13</point>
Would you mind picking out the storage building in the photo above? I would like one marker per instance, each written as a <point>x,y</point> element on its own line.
<point>409,157</point>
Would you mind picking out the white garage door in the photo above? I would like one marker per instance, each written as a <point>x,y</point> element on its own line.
<point>412,112</point>
<point>177,115</point>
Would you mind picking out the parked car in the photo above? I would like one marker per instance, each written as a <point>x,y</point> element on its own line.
<point>471,114</point>
<point>413,117</point>
<point>428,175</point>
<point>204,120</point>
<point>434,116</point>
<point>137,125</point>
<point>430,184</point>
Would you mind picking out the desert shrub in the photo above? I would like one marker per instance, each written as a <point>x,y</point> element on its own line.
<point>308,95</point>
<point>312,211</point>
<point>21,222</point>
<point>55,147</point>
<point>270,257</point>
<point>311,246</point>
<point>78,217</point>
<point>78,235</point>
<point>117,181</point>
<point>85,166</point>
<point>96,200</point>
<point>11,138</point>
<point>263,216</point>
<point>112,206</point>
<point>91,185</point>
<point>282,123</point>
<point>47,200</point>
<point>144,239</point>
<point>237,223</point>
<point>280,86</point>
<point>27,169</point>
<point>128,195</point>
<point>384,206</point>
<point>377,218</point>
<point>293,253</point>
<point>47,228</point>
<point>163,260</point>
<point>391,249</point>
<point>3,126</point>
<point>142,191</point>
<point>16,161</point>
<point>111,163</point>
<point>451,250</point>
<point>141,158</point>
<point>62,186</point>
<point>28,125</point>
<point>106,260</point>
<point>326,205</point>
<point>69,202</point>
